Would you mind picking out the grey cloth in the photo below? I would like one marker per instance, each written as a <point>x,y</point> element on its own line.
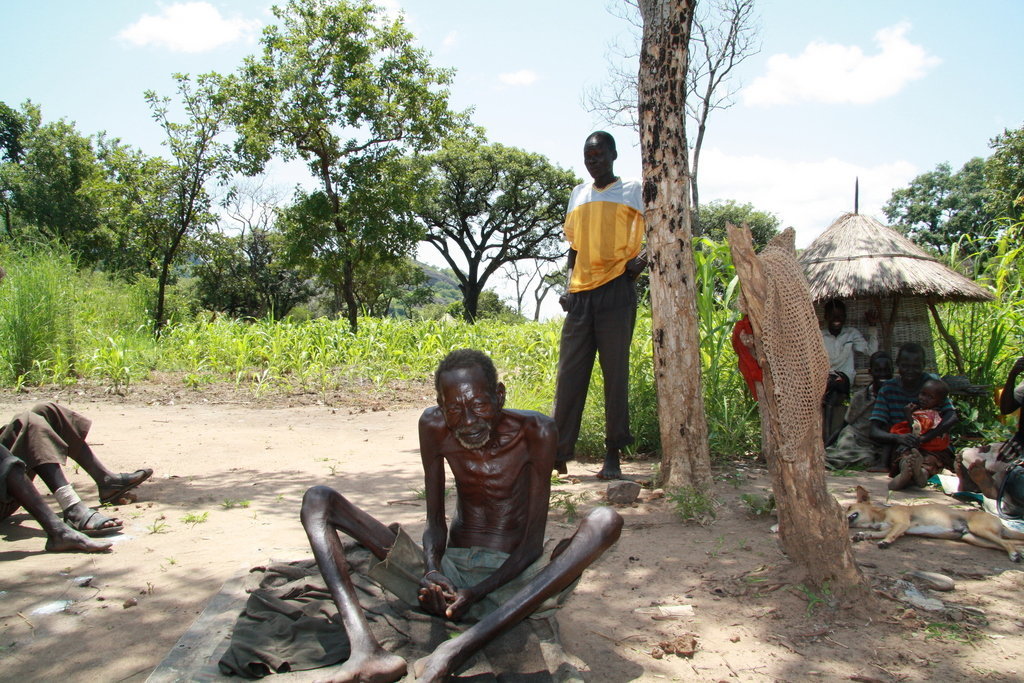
<point>599,322</point>
<point>854,446</point>
<point>290,623</point>
<point>46,433</point>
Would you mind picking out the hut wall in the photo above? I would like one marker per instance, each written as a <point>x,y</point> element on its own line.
<point>912,324</point>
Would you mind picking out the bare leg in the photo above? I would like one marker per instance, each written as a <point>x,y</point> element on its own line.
<point>980,468</point>
<point>596,533</point>
<point>65,430</point>
<point>60,538</point>
<point>324,513</point>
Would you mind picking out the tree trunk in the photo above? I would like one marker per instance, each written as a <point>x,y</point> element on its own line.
<point>349,292</point>
<point>159,322</point>
<point>470,300</point>
<point>812,528</point>
<point>685,458</point>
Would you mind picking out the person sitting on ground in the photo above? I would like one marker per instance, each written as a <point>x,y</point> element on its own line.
<point>890,408</point>
<point>993,470</point>
<point>501,460</point>
<point>854,446</point>
<point>44,437</point>
<point>933,455</point>
<point>16,490</point>
<point>840,344</point>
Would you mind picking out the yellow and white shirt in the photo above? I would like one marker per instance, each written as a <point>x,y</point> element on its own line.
<point>606,229</point>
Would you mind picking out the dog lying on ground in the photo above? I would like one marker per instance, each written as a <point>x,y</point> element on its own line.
<point>889,522</point>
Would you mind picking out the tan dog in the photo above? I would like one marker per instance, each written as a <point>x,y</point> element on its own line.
<point>889,522</point>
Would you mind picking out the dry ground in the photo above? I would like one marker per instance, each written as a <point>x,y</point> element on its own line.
<point>244,464</point>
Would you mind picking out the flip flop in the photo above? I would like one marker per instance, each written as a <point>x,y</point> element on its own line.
<point>84,527</point>
<point>111,494</point>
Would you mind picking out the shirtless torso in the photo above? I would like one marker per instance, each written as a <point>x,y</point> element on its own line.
<point>501,461</point>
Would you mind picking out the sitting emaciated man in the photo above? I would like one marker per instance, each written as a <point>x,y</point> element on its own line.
<point>488,567</point>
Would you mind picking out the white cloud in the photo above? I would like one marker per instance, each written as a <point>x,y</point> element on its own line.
<point>450,40</point>
<point>521,77</point>
<point>842,74</point>
<point>806,194</point>
<point>189,27</point>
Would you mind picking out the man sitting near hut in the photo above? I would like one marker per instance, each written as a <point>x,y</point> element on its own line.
<point>840,343</point>
<point>894,399</point>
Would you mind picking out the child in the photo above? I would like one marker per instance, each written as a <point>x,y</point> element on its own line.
<point>918,465</point>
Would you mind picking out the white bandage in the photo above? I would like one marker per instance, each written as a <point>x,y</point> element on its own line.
<point>66,497</point>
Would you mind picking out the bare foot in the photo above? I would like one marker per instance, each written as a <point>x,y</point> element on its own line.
<point>378,667</point>
<point>905,476</point>
<point>68,540</point>
<point>436,666</point>
<point>921,473</point>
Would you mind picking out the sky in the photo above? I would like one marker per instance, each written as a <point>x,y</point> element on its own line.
<point>875,89</point>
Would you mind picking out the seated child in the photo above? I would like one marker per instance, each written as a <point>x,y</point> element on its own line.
<point>918,465</point>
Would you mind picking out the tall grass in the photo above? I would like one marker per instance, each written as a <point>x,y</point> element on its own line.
<point>37,317</point>
<point>990,335</point>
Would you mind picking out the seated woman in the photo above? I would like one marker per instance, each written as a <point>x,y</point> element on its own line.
<point>854,446</point>
<point>993,469</point>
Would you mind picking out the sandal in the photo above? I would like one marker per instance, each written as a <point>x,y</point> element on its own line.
<point>124,484</point>
<point>91,526</point>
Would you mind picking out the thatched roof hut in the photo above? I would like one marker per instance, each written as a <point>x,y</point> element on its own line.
<point>858,257</point>
<point>873,267</point>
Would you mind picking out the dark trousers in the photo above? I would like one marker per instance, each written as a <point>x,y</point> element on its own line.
<point>600,322</point>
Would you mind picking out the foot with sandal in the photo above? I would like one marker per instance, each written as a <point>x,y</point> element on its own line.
<point>16,490</point>
<point>43,438</point>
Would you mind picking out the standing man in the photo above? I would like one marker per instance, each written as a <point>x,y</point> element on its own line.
<point>604,226</point>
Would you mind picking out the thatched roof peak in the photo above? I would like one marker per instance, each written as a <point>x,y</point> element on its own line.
<point>857,256</point>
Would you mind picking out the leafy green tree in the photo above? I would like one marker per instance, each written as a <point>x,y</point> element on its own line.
<point>245,275</point>
<point>138,201</point>
<point>487,206</point>
<point>939,207</point>
<point>12,128</point>
<point>385,286</point>
<point>197,158</point>
<point>51,182</point>
<point>372,202</point>
<point>715,215</point>
<point>1005,175</point>
<point>343,88</point>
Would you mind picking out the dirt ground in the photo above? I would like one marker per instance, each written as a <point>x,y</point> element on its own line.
<point>230,474</point>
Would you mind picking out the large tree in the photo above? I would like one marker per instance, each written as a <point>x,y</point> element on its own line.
<point>487,206</point>
<point>343,88</point>
<point>197,158</point>
<point>1005,174</point>
<point>373,201</point>
<point>51,182</point>
<point>937,208</point>
<point>723,34</point>
<point>663,63</point>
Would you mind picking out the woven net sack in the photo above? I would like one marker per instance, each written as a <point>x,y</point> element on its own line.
<point>792,343</point>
